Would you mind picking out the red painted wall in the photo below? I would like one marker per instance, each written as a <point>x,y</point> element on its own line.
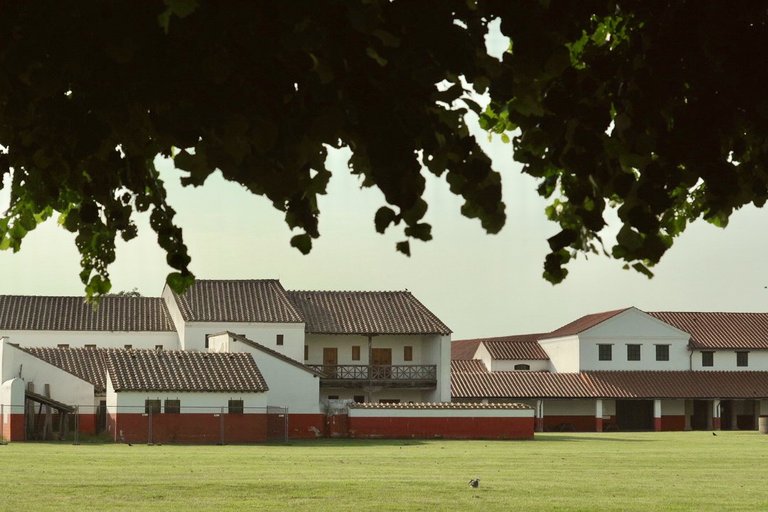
<point>673,422</point>
<point>13,429</point>
<point>571,423</point>
<point>189,428</point>
<point>306,426</point>
<point>446,427</point>
<point>87,423</point>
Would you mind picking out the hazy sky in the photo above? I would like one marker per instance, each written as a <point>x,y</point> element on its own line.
<point>478,284</point>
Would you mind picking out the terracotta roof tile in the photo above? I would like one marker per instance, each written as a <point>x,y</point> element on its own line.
<point>720,330</point>
<point>516,347</point>
<point>253,300</point>
<point>463,349</point>
<point>158,370</point>
<point>35,313</point>
<point>468,366</point>
<point>582,324</point>
<point>438,405</point>
<point>365,313</point>
<point>275,354</point>
<point>610,384</point>
<point>86,363</point>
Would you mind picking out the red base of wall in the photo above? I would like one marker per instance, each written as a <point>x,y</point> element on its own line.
<point>87,423</point>
<point>673,422</point>
<point>13,429</point>
<point>306,426</point>
<point>569,423</point>
<point>189,428</point>
<point>447,428</point>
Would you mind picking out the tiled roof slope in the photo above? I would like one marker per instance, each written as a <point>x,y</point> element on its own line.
<point>517,347</point>
<point>158,370</point>
<point>252,300</point>
<point>463,349</point>
<point>274,353</point>
<point>468,366</point>
<point>86,363</point>
<point>610,384</point>
<point>365,313</point>
<point>34,313</point>
<point>582,324</point>
<point>720,330</point>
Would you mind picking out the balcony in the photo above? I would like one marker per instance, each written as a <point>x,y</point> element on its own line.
<point>385,376</point>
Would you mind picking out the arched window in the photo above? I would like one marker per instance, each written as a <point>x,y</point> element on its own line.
<point>522,367</point>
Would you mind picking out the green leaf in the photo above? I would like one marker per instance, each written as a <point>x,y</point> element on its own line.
<point>404,247</point>
<point>384,217</point>
<point>302,242</point>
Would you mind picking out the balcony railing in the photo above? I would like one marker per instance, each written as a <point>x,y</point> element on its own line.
<point>378,375</point>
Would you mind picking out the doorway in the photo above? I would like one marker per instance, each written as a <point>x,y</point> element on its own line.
<point>634,414</point>
<point>330,361</point>
<point>381,360</point>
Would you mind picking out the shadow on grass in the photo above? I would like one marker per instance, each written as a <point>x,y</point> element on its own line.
<point>572,438</point>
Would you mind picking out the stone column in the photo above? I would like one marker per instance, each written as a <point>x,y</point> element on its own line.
<point>657,415</point>
<point>598,415</point>
<point>539,427</point>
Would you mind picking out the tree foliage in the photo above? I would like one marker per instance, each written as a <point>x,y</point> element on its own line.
<point>652,108</point>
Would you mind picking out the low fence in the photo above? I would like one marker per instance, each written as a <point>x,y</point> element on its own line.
<point>139,424</point>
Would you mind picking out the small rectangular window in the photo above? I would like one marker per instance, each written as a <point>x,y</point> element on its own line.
<point>359,399</point>
<point>633,352</point>
<point>63,345</point>
<point>662,352</point>
<point>707,358</point>
<point>742,358</point>
<point>235,407</point>
<point>333,397</point>
<point>90,346</point>
<point>206,341</point>
<point>128,347</point>
<point>306,352</point>
<point>522,367</point>
<point>355,352</point>
<point>172,406</point>
<point>604,352</point>
<point>279,339</point>
<point>158,347</point>
<point>151,406</point>
<point>407,353</point>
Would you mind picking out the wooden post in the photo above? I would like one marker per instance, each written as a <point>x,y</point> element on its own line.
<point>48,419</point>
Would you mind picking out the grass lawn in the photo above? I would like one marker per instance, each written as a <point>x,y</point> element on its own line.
<point>610,471</point>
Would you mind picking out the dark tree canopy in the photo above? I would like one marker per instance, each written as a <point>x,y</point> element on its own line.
<point>655,108</point>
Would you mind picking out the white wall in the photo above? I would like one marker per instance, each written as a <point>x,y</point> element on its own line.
<point>563,353</point>
<point>102,339</point>
<point>64,387</point>
<point>404,395</point>
<point>289,385</point>
<point>726,360</point>
<point>633,327</point>
<point>265,334</point>
<point>191,402</point>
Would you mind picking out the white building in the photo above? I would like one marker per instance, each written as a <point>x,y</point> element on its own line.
<point>627,369</point>
<point>311,347</point>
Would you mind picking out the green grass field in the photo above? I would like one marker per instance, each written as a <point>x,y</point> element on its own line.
<point>616,471</point>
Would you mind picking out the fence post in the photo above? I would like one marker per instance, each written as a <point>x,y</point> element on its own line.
<point>149,426</point>
<point>221,426</point>
<point>77,425</point>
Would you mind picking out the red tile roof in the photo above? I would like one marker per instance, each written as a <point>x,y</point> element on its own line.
<point>720,330</point>
<point>438,405</point>
<point>114,313</point>
<point>521,346</point>
<point>158,370</point>
<point>365,313</point>
<point>274,353</point>
<point>253,300</point>
<point>468,366</point>
<point>463,349</point>
<point>610,384</point>
<point>86,363</point>
<point>582,324</point>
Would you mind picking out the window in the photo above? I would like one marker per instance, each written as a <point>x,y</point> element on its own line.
<point>158,347</point>
<point>522,367</point>
<point>206,340</point>
<point>333,397</point>
<point>604,352</point>
<point>279,339</point>
<point>128,347</point>
<point>63,345</point>
<point>151,406</point>
<point>408,353</point>
<point>742,358</point>
<point>90,346</point>
<point>172,406</point>
<point>359,399</point>
<point>355,352</point>
<point>662,352</point>
<point>306,352</point>
<point>235,407</point>
<point>633,352</point>
<point>708,358</point>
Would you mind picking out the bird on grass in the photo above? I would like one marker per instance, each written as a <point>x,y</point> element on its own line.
<point>714,434</point>
<point>474,483</point>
